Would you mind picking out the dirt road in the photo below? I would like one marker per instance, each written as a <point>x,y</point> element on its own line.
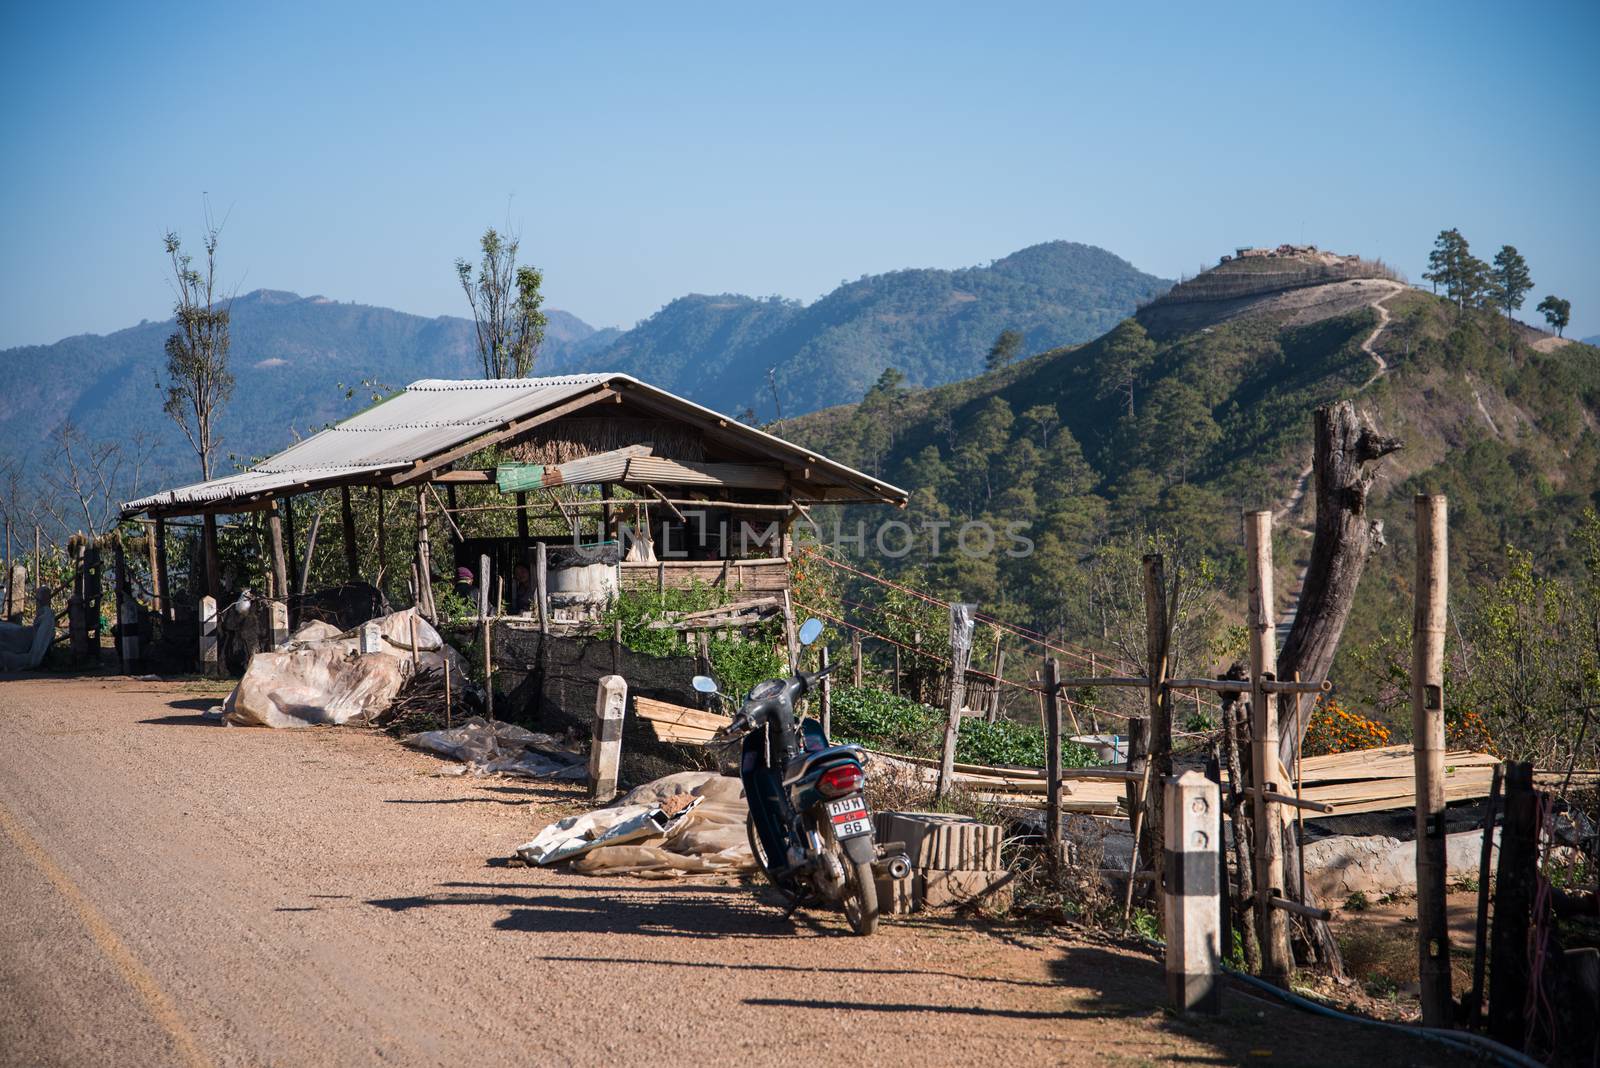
<point>182,893</point>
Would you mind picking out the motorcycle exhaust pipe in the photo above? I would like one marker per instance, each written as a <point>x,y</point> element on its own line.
<point>898,867</point>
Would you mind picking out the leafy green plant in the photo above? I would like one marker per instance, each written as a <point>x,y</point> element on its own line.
<point>874,717</point>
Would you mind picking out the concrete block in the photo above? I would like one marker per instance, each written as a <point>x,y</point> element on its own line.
<point>936,840</point>
<point>947,889</point>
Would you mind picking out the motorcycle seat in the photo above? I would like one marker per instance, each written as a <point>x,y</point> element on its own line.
<point>802,764</point>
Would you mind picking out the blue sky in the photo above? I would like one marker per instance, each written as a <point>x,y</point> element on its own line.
<point>646,151</point>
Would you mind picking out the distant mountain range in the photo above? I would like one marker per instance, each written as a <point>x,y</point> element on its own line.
<point>300,361</point>
<point>738,353</point>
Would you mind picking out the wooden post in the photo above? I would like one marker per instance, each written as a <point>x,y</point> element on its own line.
<point>208,636</point>
<point>377,577</point>
<point>1192,919</point>
<point>483,617</point>
<point>999,676</point>
<point>208,539</point>
<point>897,669</point>
<point>293,560</point>
<point>1159,703</point>
<point>605,747</point>
<point>424,557</point>
<point>827,696</point>
<point>38,549</point>
<point>789,636</point>
<point>311,551</point>
<point>1272,925</point>
<point>163,576</point>
<point>447,709</point>
<point>855,659</point>
<point>1480,941</point>
<point>1513,904</point>
<point>280,565</point>
<point>347,515</point>
<point>1051,687</point>
<point>961,622</point>
<point>127,612</point>
<point>1427,727</point>
<point>522,522</point>
<point>541,587</point>
<point>151,562</point>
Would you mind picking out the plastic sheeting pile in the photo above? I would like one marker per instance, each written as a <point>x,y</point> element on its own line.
<point>320,676</point>
<point>690,822</point>
<point>491,747</point>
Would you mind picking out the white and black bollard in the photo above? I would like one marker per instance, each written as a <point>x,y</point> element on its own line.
<point>209,663</point>
<point>1193,920</point>
<point>605,750</point>
<point>278,617</point>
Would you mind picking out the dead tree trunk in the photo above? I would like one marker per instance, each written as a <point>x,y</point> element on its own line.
<point>1346,444</point>
<point>1343,468</point>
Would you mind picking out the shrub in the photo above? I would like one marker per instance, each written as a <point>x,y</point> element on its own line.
<point>879,719</point>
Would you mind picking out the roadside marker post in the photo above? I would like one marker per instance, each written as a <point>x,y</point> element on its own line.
<point>1192,871</point>
<point>605,750</point>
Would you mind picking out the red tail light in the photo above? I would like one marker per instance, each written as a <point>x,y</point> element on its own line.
<point>840,780</point>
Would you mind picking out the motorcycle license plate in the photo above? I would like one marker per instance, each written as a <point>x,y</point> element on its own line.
<point>849,816</point>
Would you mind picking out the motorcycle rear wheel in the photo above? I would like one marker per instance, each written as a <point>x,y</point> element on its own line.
<point>860,901</point>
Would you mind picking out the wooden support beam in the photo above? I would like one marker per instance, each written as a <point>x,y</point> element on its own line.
<point>280,566</point>
<point>1514,885</point>
<point>162,577</point>
<point>347,518</point>
<point>1427,726</point>
<point>1277,959</point>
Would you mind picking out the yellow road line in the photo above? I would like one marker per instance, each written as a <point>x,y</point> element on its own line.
<point>144,984</point>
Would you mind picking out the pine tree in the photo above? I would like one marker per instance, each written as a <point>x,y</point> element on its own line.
<point>1510,279</point>
<point>1006,348</point>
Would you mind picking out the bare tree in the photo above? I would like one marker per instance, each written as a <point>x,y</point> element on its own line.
<point>88,480</point>
<point>198,381</point>
<point>505,301</point>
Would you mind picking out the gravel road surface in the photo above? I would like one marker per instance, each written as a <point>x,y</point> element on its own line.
<point>182,893</point>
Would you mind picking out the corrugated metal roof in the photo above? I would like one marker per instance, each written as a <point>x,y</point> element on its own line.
<point>428,418</point>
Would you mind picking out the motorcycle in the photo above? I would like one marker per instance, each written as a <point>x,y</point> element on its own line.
<point>809,826</point>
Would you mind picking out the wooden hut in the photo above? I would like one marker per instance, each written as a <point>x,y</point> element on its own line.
<point>682,492</point>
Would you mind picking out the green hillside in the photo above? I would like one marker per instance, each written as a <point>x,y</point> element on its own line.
<point>1179,430</point>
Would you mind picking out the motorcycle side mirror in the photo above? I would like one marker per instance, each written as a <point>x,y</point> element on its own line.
<point>810,631</point>
<point>704,684</point>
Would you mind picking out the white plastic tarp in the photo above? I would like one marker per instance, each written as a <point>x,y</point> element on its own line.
<point>322,677</point>
<point>690,822</point>
<point>490,747</point>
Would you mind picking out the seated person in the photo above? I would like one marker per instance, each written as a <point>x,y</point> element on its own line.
<point>521,591</point>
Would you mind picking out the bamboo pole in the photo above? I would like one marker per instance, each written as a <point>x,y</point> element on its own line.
<point>377,578</point>
<point>488,656</point>
<point>1272,924</point>
<point>855,658</point>
<point>1427,726</point>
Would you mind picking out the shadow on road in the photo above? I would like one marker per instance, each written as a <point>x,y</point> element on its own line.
<point>802,969</point>
<point>607,911</point>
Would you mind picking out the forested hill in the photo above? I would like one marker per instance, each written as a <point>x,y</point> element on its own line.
<point>291,357</point>
<point>935,326</point>
<point>1182,429</point>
